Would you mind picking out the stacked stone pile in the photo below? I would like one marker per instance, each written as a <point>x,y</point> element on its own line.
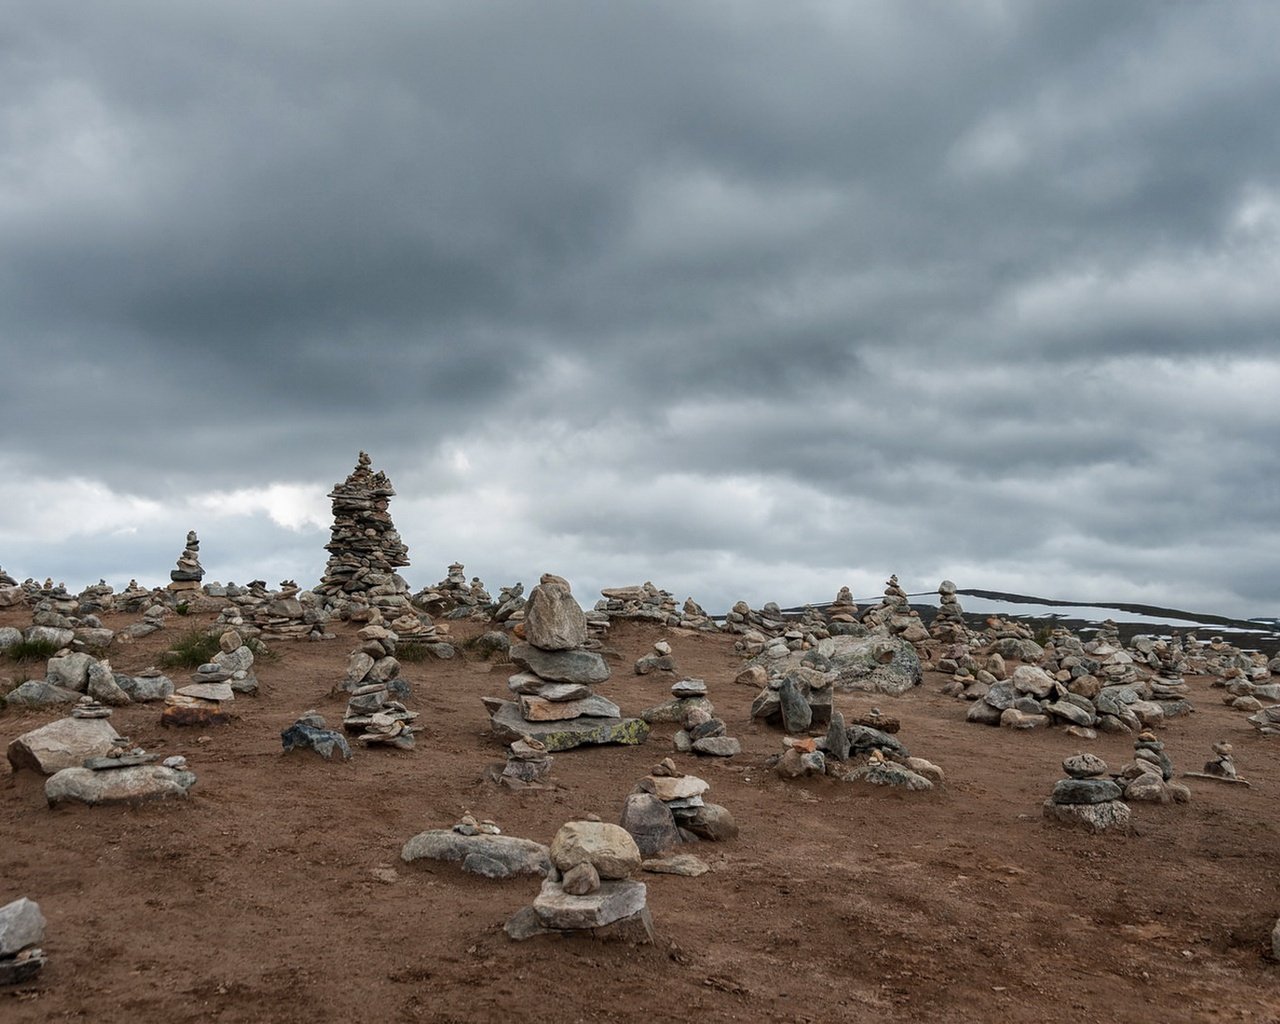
<point>123,775</point>
<point>894,616</point>
<point>374,661</point>
<point>189,573</point>
<point>768,621</point>
<point>1011,639</point>
<point>1085,799</point>
<point>841,753</point>
<point>948,622</point>
<point>134,598</point>
<point>206,699</point>
<point>660,659</point>
<point>702,732</point>
<point>1222,768</point>
<point>95,598</point>
<point>311,732</point>
<point>843,615</point>
<point>873,664</point>
<point>648,603</point>
<point>972,673</point>
<point>528,766</point>
<point>590,887</point>
<point>364,550</point>
<point>70,674</point>
<point>1148,777</point>
<point>379,719</point>
<point>510,602</point>
<point>289,613</point>
<point>555,703</point>
<point>668,807</point>
<point>21,930</point>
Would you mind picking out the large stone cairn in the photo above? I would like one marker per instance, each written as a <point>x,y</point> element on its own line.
<point>590,886</point>
<point>190,572</point>
<point>364,550</point>
<point>554,702</point>
<point>21,928</point>
<point>1084,799</point>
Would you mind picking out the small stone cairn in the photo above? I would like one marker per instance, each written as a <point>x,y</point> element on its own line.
<point>660,659</point>
<point>377,718</point>
<point>703,733</point>
<point>798,700</point>
<point>843,615</point>
<point>364,549</point>
<point>528,766</point>
<point>21,930</point>
<point>1084,799</point>
<point>648,603</point>
<point>214,685</point>
<point>1147,778</point>
<point>667,808</point>
<point>189,573</point>
<point>1222,768</point>
<point>374,661</point>
<point>590,887</point>
<point>894,615</point>
<point>453,597</point>
<point>555,703</point>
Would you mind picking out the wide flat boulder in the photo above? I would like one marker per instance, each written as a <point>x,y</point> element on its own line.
<point>509,726</point>
<point>488,855</point>
<point>137,784</point>
<point>575,666</point>
<point>62,744</point>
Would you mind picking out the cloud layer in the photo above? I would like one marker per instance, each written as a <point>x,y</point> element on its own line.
<point>751,300</point>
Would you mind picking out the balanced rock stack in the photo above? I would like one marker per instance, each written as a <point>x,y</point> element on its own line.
<point>1147,778</point>
<point>379,719</point>
<point>703,732</point>
<point>374,661</point>
<point>203,701</point>
<point>190,572</point>
<point>453,596</point>
<point>590,887</point>
<point>555,704</point>
<point>842,615</point>
<point>528,765</point>
<point>21,928</point>
<point>123,775</point>
<point>948,621</point>
<point>798,701</point>
<point>365,550</point>
<point>668,807</point>
<point>660,659</point>
<point>1085,799</point>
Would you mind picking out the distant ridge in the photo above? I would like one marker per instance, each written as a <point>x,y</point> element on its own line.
<point>1154,611</point>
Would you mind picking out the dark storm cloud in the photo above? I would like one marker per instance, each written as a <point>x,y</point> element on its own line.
<point>789,291</point>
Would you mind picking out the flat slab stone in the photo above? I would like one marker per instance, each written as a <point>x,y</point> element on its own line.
<point>1085,791</point>
<point>689,688</point>
<point>536,709</point>
<point>1112,815</point>
<point>511,854</point>
<point>611,902</point>
<point>665,788</point>
<point>509,726</point>
<point>681,864</point>
<point>575,666</point>
<point>208,691</point>
<point>36,693</point>
<point>183,710</point>
<point>62,744</point>
<point>125,785</point>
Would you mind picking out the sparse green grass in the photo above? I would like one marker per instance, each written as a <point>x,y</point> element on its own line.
<point>191,650</point>
<point>182,608</point>
<point>413,653</point>
<point>31,650</point>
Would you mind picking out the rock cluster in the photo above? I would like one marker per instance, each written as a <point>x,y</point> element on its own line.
<point>798,700</point>
<point>647,603</point>
<point>1085,799</point>
<point>554,701</point>
<point>190,572</point>
<point>1223,764</point>
<point>374,661</point>
<point>948,621</point>
<point>311,732</point>
<point>872,664</point>
<point>667,808</point>
<point>364,549</point>
<point>453,597</point>
<point>21,929</point>
<point>377,718</point>
<point>590,887</point>
<point>289,613</point>
<point>895,616</point>
<point>660,659</point>
<point>843,614</point>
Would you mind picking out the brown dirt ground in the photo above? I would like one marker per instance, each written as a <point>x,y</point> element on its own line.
<point>256,899</point>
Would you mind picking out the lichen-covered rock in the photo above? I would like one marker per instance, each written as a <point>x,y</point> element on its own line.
<point>514,855</point>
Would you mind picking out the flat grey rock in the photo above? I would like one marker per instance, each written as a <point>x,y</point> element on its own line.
<point>21,925</point>
<point>576,666</point>
<point>509,725</point>
<point>1085,791</point>
<point>1113,815</point>
<point>36,693</point>
<point>613,901</point>
<point>125,785</point>
<point>496,856</point>
<point>62,744</point>
<point>208,691</point>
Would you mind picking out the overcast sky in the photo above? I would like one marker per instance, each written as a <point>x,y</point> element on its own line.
<point>752,300</point>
